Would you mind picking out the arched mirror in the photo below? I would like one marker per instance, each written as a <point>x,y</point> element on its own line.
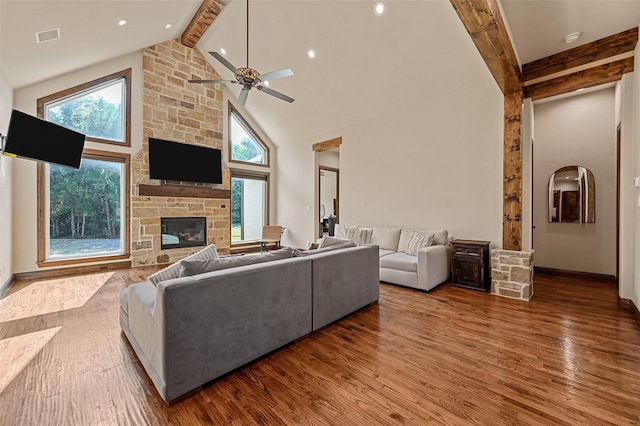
<point>572,195</point>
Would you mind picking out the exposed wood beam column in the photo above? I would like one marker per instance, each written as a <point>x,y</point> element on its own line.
<point>512,172</point>
<point>206,14</point>
<point>483,21</point>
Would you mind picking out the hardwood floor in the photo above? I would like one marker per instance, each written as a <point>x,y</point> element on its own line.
<point>451,356</point>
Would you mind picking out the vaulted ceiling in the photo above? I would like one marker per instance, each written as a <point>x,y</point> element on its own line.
<point>360,60</point>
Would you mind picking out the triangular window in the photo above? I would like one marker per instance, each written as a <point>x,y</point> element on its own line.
<point>244,144</point>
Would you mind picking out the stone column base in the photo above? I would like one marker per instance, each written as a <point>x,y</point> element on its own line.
<point>512,273</point>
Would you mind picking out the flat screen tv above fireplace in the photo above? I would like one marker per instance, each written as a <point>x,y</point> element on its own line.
<point>181,162</point>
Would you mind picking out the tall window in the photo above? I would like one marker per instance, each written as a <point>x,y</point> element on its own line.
<point>249,206</point>
<point>244,144</point>
<point>83,214</point>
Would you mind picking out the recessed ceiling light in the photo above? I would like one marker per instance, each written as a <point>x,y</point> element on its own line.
<point>570,38</point>
<point>378,9</point>
<point>122,22</point>
<point>167,26</point>
<point>224,52</point>
<point>311,54</point>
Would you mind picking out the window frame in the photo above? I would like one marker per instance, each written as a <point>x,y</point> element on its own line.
<point>247,127</point>
<point>86,87</point>
<point>255,175</point>
<point>43,225</point>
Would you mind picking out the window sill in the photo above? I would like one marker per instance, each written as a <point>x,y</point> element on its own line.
<point>80,260</point>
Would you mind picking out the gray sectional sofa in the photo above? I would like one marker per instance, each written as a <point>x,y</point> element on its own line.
<point>190,330</point>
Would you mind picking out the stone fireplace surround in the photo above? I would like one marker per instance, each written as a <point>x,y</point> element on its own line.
<point>176,110</point>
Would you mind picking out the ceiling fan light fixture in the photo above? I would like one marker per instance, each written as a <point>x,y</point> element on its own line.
<point>570,38</point>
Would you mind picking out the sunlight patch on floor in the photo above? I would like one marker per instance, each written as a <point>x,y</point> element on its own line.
<point>48,296</point>
<point>17,352</point>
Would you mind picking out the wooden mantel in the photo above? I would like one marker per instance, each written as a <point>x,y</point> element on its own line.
<point>183,191</point>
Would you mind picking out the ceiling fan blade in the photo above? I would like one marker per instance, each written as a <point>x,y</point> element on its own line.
<point>276,74</point>
<point>224,62</point>
<point>242,99</point>
<point>274,93</point>
<point>211,81</point>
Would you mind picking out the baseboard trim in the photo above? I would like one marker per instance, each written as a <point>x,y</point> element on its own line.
<point>73,270</point>
<point>574,274</point>
<point>4,288</point>
<point>629,306</point>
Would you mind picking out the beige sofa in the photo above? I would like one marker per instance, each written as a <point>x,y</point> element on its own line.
<point>425,270</point>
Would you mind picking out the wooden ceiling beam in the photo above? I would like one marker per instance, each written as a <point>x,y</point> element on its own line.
<point>483,21</point>
<point>580,80</point>
<point>327,145</point>
<point>587,53</point>
<point>203,18</point>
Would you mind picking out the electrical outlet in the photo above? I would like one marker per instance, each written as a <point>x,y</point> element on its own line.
<point>636,182</point>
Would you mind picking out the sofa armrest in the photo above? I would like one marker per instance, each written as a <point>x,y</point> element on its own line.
<point>146,323</point>
<point>433,266</point>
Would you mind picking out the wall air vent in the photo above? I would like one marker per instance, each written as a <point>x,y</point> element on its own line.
<point>48,35</point>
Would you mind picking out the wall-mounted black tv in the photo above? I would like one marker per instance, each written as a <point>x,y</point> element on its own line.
<point>31,137</point>
<point>175,161</point>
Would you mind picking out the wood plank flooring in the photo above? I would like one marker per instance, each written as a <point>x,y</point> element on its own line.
<point>448,357</point>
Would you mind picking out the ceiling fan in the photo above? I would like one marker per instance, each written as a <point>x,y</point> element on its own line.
<point>248,77</point>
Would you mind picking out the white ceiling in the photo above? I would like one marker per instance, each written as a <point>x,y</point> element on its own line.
<point>89,33</point>
<point>361,58</point>
<point>538,27</point>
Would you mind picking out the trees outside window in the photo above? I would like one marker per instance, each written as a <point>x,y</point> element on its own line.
<point>83,214</point>
<point>245,146</point>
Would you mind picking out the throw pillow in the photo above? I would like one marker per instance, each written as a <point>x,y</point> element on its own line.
<point>418,240</point>
<point>328,241</point>
<point>176,270</point>
<point>195,266</point>
<point>364,236</point>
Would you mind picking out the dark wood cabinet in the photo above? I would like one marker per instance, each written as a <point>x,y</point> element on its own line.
<point>471,266</point>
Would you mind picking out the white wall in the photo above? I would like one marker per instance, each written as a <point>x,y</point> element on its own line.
<point>576,131</point>
<point>24,171</point>
<point>427,155</point>
<point>6,190</point>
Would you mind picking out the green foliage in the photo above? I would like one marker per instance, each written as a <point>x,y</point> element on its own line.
<point>237,188</point>
<point>85,203</point>
<point>247,150</point>
<point>93,116</point>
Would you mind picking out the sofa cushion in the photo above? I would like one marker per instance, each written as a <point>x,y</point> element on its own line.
<point>343,245</point>
<point>328,241</point>
<point>384,252</point>
<point>400,261</point>
<point>417,240</point>
<point>195,267</point>
<point>386,237</point>
<point>176,270</point>
<point>440,237</point>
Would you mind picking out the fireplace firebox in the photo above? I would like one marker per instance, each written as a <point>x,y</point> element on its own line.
<point>180,232</point>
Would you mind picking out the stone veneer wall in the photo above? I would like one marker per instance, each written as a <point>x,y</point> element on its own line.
<point>512,273</point>
<point>174,109</point>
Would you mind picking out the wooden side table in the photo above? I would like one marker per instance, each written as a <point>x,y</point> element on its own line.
<point>471,265</point>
